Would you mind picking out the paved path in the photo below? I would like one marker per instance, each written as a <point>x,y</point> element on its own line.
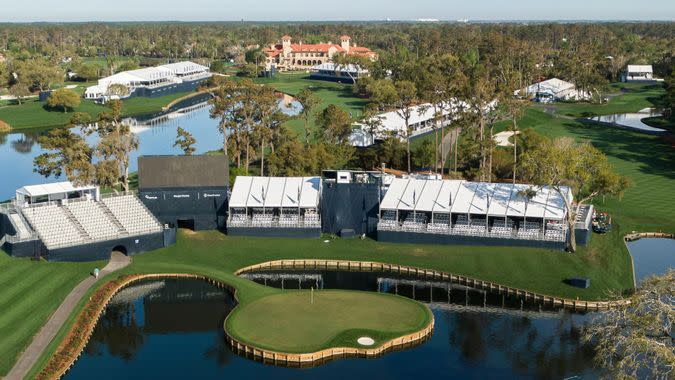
<point>31,355</point>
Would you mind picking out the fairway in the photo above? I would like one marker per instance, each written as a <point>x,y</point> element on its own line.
<point>288,322</point>
<point>31,291</point>
<point>327,93</point>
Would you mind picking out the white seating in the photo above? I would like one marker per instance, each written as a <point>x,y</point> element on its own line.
<point>53,226</point>
<point>132,215</point>
<point>93,219</point>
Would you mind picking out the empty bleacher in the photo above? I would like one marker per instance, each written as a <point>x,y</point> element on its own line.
<point>132,215</point>
<point>83,221</point>
<point>96,223</point>
<point>53,226</point>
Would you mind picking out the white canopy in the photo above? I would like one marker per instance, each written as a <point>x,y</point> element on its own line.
<point>51,189</point>
<point>274,192</point>
<point>640,69</point>
<point>242,185</point>
<point>477,198</point>
<point>309,198</point>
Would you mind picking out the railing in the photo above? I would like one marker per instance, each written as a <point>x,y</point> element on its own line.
<point>274,223</point>
<point>424,228</point>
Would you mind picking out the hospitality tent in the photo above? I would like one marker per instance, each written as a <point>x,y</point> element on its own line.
<point>475,199</point>
<point>53,191</point>
<point>270,193</point>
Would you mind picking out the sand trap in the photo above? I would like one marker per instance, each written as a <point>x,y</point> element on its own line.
<point>502,138</point>
<point>366,341</point>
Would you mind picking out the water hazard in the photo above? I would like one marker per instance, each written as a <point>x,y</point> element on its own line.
<point>173,329</point>
<point>652,256</point>
<point>156,134</point>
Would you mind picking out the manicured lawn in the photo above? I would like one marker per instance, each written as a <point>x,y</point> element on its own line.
<point>288,322</point>
<point>33,113</point>
<point>634,97</point>
<point>31,291</point>
<point>647,206</point>
<point>327,92</point>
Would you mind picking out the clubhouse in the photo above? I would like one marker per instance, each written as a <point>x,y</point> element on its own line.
<point>289,56</point>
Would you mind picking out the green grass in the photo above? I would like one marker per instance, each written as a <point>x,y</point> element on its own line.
<point>647,206</point>
<point>327,92</point>
<point>633,97</point>
<point>288,322</point>
<point>31,291</point>
<point>33,113</point>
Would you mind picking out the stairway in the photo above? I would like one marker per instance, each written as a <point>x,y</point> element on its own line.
<point>112,219</point>
<point>76,223</point>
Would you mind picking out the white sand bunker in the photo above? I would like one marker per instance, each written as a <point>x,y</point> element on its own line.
<point>366,341</point>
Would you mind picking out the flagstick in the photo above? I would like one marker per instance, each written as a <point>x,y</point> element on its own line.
<point>311,292</point>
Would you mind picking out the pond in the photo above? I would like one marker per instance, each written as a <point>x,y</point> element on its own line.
<point>173,329</point>
<point>651,256</point>
<point>631,121</point>
<point>156,135</point>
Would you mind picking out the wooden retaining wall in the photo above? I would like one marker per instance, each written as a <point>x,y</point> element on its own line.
<point>640,235</point>
<point>54,370</point>
<point>370,266</point>
<point>301,359</point>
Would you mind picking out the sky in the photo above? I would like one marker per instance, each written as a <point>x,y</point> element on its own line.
<point>313,10</point>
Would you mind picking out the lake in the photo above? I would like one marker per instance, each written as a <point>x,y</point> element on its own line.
<point>173,329</point>
<point>156,135</point>
<point>651,256</point>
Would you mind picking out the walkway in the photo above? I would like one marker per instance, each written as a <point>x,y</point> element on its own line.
<point>31,355</point>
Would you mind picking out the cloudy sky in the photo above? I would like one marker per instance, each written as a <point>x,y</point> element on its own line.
<point>299,10</point>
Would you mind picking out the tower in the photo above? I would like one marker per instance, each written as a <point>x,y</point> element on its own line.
<point>344,43</point>
<point>286,41</point>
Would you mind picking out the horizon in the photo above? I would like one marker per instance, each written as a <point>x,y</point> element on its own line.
<point>81,11</point>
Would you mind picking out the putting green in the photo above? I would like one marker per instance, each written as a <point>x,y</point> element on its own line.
<point>288,322</point>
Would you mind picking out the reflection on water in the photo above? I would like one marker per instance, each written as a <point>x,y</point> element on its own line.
<point>156,134</point>
<point>652,256</point>
<point>173,329</point>
<point>20,149</point>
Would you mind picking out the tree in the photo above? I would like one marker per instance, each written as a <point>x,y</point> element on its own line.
<point>185,141</point>
<point>19,91</point>
<point>635,339</point>
<point>224,105</point>
<point>87,71</point>
<point>406,97</point>
<point>335,123</point>
<point>269,119</point>
<point>116,142</point>
<point>424,155</point>
<point>248,71</point>
<point>40,74</point>
<point>117,90</point>
<point>309,101</point>
<point>68,154</point>
<point>63,98</point>
<point>565,165</point>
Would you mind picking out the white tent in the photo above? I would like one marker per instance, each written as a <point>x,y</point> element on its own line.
<point>552,89</point>
<point>495,200</point>
<point>53,191</point>
<point>275,192</point>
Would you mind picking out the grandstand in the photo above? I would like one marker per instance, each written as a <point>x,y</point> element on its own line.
<point>75,224</point>
<point>452,210</point>
<point>275,206</point>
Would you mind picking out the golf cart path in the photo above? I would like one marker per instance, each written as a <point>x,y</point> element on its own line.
<point>30,356</point>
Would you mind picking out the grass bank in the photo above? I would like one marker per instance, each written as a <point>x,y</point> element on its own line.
<point>33,113</point>
<point>327,93</point>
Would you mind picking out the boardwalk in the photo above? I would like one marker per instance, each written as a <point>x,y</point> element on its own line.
<point>29,357</point>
